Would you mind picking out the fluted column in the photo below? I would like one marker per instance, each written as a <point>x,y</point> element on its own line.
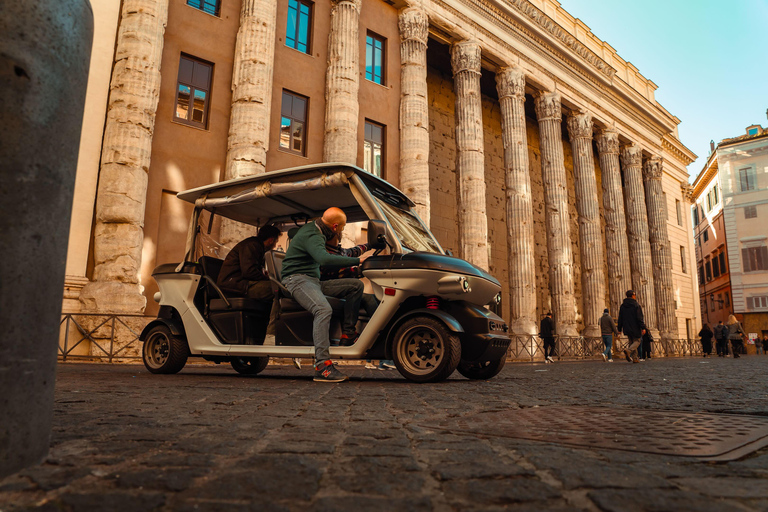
<point>617,249</point>
<point>470,157</point>
<point>510,85</point>
<point>559,251</point>
<point>342,83</point>
<point>414,109</point>
<point>590,237</point>
<point>118,233</point>
<point>252,73</point>
<point>660,250</point>
<point>637,233</point>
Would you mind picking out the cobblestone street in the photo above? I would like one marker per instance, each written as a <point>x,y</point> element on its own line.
<point>209,439</point>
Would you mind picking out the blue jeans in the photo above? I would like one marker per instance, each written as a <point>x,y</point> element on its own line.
<point>607,341</point>
<point>310,293</point>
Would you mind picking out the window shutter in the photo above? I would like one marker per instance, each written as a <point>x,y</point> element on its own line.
<point>750,303</point>
<point>762,259</point>
<point>745,259</point>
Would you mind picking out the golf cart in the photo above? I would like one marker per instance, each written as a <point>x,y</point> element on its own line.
<point>431,318</point>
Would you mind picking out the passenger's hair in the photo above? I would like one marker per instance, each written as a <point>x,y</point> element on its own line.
<point>732,320</point>
<point>267,232</point>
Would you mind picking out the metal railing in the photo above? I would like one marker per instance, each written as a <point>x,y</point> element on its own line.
<point>102,336</point>
<point>531,347</point>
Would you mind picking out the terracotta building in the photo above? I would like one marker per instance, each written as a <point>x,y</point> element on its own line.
<point>530,147</point>
<point>731,198</point>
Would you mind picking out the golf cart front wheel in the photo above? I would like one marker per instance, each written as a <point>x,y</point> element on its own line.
<point>163,352</point>
<point>481,370</point>
<point>424,350</point>
<point>249,365</point>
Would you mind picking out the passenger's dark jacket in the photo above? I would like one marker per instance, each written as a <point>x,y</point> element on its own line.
<point>631,321</point>
<point>721,332</point>
<point>243,264</point>
<point>706,335</point>
<point>607,326</point>
<point>547,328</point>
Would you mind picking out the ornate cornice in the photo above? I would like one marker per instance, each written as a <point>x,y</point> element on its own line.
<point>465,57</point>
<point>608,142</point>
<point>510,82</point>
<point>631,156</point>
<point>675,147</point>
<point>653,168</point>
<point>687,191</point>
<point>548,106</point>
<point>413,23</point>
<point>580,125</point>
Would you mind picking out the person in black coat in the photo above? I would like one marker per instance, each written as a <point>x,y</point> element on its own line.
<point>546,333</point>
<point>706,335</point>
<point>632,323</point>
<point>721,339</point>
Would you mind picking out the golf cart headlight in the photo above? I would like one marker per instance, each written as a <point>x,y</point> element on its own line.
<point>465,285</point>
<point>497,298</point>
<point>453,284</point>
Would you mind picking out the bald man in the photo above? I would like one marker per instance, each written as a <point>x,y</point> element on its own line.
<point>301,276</point>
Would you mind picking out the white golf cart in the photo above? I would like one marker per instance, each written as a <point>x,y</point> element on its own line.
<point>431,317</point>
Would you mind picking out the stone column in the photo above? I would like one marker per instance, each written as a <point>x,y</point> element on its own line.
<point>414,109</point>
<point>637,233</point>
<point>510,85</point>
<point>557,217</point>
<point>660,251</point>
<point>470,156</point>
<point>342,82</point>
<point>252,73</point>
<point>119,230</point>
<point>590,237</point>
<point>617,249</point>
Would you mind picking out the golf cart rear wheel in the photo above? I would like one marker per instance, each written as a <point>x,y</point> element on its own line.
<point>249,365</point>
<point>163,352</point>
<point>424,350</point>
<point>481,370</point>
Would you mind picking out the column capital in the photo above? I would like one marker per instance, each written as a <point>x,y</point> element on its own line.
<point>465,57</point>
<point>357,4</point>
<point>510,82</point>
<point>548,106</point>
<point>580,125</point>
<point>687,191</point>
<point>413,23</point>
<point>653,168</point>
<point>608,142</point>
<point>631,156</point>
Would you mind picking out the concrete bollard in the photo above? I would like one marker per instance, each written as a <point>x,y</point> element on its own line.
<point>45,48</point>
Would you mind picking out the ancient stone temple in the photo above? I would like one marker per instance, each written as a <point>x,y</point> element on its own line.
<point>528,145</point>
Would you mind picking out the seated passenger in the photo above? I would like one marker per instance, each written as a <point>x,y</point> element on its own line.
<point>243,269</point>
<point>301,276</point>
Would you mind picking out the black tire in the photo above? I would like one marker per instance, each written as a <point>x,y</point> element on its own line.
<point>424,350</point>
<point>481,370</point>
<point>163,352</point>
<point>249,365</point>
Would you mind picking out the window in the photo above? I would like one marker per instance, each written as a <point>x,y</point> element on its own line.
<point>750,212</point>
<point>715,194</point>
<point>701,274</point>
<point>759,302</point>
<point>373,153</point>
<point>719,301</point>
<point>752,131</point>
<point>299,25</point>
<point>679,212</point>
<point>695,213</point>
<point>210,6</point>
<point>293,123</point>
<point>747,179</point>
<point>715,267</point>
<point>705,234</point>
<point>193,92</point>
<point>708,266</point>
<point>709,201</point>
<point>727,300</point>
<point>374,58</point>
<point>723,268</point>
<point>682,260</point>
<point>755,258</point>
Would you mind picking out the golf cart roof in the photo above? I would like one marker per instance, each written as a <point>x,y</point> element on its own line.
<point>290,194</point>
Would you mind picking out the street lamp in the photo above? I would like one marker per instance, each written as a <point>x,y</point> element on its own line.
<point>713,299</point>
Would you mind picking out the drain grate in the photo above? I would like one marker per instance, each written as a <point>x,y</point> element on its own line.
<point>708,436</point>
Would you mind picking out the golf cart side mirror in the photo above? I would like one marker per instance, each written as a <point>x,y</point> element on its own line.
<point>377,234</point>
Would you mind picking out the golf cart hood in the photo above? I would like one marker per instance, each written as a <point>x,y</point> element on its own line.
<point>427,261</point>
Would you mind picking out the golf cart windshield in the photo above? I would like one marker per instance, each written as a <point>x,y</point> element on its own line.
<point>408,228</point>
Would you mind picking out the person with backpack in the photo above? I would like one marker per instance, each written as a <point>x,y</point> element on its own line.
<point>721,339</point>
<point>631,323</point>
<point>706,335</point>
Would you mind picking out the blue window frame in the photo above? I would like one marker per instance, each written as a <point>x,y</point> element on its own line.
<point>211,7</point>
<point>298,27</point>
<point>374,58</point>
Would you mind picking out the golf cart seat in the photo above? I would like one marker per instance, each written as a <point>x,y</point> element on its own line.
<point>274,261</point>
<point>219,300</point>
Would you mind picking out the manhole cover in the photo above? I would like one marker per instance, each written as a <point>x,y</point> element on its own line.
<point>709,436</point>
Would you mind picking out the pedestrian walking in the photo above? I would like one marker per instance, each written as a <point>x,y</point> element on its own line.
<point>647,346</point>
<point>765,344</point>
<point>735,334</point>
<point>547,334</point>
<point>607,330</point>
<point>632,324</point>
<point>706,335</point>
<point>760,346</point>
<point>721,339</point>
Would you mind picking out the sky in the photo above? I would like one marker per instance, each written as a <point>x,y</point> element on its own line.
<point>709,59</point>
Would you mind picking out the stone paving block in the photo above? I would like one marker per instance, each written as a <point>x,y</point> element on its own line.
<point>372,504</point>
<point>498,491</point>
<point>646,500</point>
<point>729,487</point>
<point>116,502</point>
<point>158,479</point>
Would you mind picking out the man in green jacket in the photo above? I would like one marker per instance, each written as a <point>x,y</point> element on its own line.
<point>301,276</point>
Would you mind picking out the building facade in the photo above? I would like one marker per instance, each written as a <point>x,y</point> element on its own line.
<point>529,146</point>
<point>738,168</point>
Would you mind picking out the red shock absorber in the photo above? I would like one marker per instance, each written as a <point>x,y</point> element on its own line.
<point>433,303</point>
